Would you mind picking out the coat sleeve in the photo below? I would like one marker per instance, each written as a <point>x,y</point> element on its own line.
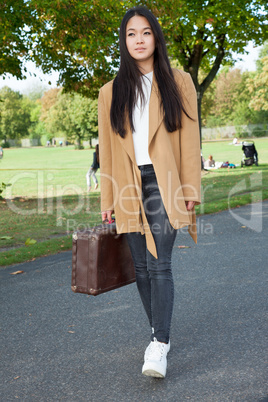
<point>105,154</point>
<point>190,155</point>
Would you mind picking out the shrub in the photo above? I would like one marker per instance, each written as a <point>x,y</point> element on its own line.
<point>258,132</point>
<point>6,144</point>
<point>242,134</point>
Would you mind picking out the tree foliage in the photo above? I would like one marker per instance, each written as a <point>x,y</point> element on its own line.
<point>18,28</point>
<point>72,115</point>
<point>234,98</point>
<point>258,87</point>
<point>79,38</point>
<point>49,99</point>
<point>14,117</point>
<point>202,35</point>
<point>33,107</point>
<point>238,98</point>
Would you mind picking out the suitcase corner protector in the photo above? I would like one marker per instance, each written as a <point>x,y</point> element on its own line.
<point>74,288</point>
<point>75,237</point>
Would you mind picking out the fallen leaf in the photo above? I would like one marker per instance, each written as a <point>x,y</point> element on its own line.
<point>30,242</point>
<point>6,237</point>
<point>243,226</point>
<point>184,247</point>
<point>71,332</point>
<point>15,378</point>
<point>16,272</point>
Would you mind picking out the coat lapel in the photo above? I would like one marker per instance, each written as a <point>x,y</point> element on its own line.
<point>127,143</point>
<point>155,112</point>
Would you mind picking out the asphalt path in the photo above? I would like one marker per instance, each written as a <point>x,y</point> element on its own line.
<point>61,346</point>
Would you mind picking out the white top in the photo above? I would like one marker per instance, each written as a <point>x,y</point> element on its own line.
<point>141,123</point>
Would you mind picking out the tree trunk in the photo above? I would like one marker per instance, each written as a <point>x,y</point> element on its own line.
<point>199,103</point>
<point>192,66</point>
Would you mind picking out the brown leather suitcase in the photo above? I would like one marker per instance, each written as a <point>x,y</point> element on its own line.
<point>101,260</point>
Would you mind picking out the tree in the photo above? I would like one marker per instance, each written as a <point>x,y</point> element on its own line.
<point>86,116</point>
<point>14,118</point>
<point>74,116</point>
<point>17,19</point>
<point>79,38</point>
<point>231,99</point>
<point>239,97</point>
<point>34,108</point>
<point>228,85</point>
<point>208,102</point>
<point>258,87</point>
<point>202,35</point>
<point>49,99</point>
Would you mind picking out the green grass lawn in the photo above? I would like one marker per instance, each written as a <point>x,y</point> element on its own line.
<point>248,184</point>
<point>48,200</point>
<point>224,151</point>
<point>45,170</point>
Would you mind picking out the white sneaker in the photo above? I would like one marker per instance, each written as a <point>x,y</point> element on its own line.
<point>147,350</point>
<point>155,364</point>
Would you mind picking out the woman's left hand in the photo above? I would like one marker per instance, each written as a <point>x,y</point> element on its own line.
<point>189,205</point>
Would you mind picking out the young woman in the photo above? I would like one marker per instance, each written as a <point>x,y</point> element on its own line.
<point>93,169</point>
<point>150,166</point>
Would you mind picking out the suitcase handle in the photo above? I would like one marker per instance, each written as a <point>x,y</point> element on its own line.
<point>74,253</point>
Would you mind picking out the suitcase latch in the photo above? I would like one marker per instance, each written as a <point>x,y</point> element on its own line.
<point>75,237</point>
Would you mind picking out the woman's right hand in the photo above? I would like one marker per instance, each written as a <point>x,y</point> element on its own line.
<point>107,215</point>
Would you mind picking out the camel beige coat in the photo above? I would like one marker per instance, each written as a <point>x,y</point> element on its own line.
<point>175,157</point>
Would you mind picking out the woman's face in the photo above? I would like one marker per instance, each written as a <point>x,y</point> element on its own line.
<point>140,40</point>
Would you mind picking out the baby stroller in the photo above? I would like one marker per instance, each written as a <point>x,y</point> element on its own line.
<point>250,155</point>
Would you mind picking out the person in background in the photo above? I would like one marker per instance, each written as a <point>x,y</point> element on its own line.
<point>93,169</point>
<point>235,141</point>
<point>209,162</point>
<point>1,153</point>
<point>150,168</point>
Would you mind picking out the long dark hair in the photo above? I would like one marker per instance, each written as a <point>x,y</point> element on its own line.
<point>127,85</point>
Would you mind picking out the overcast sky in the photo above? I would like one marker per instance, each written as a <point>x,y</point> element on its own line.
<point>42,80</point>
